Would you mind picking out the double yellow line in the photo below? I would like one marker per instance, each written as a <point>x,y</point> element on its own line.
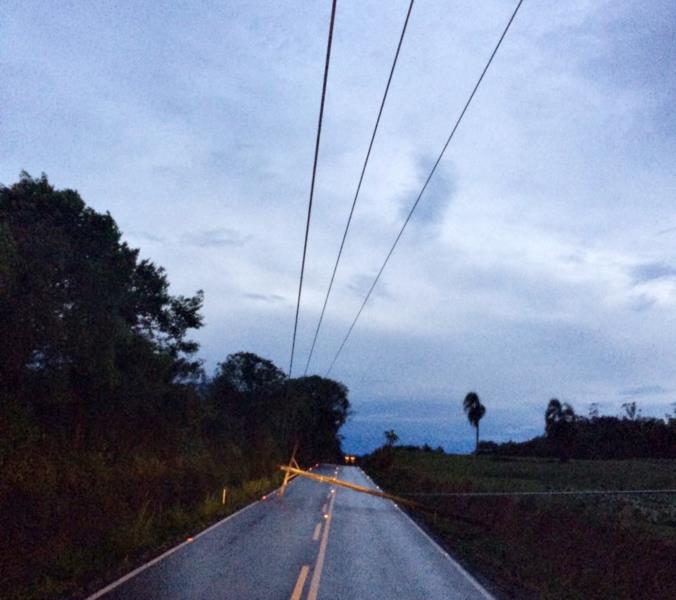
<point>327,515</point>
<point>321,556</point>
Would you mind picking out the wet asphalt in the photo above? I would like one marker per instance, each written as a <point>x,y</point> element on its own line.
<point>310,544</point>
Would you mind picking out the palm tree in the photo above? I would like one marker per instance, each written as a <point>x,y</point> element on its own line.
<point>559,426</point>
<point>557,413</point>
<point>391,438</point>
<point>475,412</point>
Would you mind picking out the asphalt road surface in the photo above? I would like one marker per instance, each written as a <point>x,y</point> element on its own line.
<point>317,542</point>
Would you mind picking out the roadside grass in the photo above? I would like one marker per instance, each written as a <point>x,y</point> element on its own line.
<point>80,521</point>
<point>547,547</point>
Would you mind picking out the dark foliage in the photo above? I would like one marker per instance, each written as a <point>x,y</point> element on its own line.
<point>253,400</point>
<point>94,346</point>
<point>560,428</point>
<point>595,437</point>
<point>112,441</point>
<point>475,411</point>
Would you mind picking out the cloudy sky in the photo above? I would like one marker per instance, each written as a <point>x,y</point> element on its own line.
<point>542,260</point>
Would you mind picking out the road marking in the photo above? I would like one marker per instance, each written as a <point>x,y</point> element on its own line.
<point>324,508</point>
<point>318,528</point>
<point>481,589</point>
<point>300,583</point>
<point>319,565</point>
<point>157,559</point>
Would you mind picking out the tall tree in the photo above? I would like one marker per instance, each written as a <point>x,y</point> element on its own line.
<point>318,407</point>
<point>77,304</point>
<point>256,405</point>
<point>247,394</point>
<point>560,427</point>
<point>475,412</point>
<point>632,413</point>
<point>391,438</point>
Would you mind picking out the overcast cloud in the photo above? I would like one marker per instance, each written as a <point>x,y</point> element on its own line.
<point>542,261</point>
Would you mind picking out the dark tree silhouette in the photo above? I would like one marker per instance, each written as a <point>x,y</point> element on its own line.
<point>596,436</point>
<point>560,427</point>
<point>247,395</point>
<point>391,438</point>
<point>594,410</point>
<point>104,408</point>
<point>475,412</point>
<point>318,409</point>
<point>91,326</point>
<point>631,411</point>
<point>257,405</point>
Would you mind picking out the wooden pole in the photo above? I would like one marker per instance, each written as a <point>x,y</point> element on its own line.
<point>349,486</point>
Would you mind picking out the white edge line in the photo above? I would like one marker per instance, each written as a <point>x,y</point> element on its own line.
<point>157,559</point>
<point>483,591</point>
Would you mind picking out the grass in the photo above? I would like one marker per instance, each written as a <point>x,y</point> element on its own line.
<point>547,547</point>
<point>151,533</point>
<point>72,522</point>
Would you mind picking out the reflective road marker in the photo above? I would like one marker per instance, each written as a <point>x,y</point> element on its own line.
<point>319,565</point>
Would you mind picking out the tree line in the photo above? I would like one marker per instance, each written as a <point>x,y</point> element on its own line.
<point>103,401</point>
<point>96,350</point>
<point>568,435</point>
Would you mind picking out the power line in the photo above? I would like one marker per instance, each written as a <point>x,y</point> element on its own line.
<point>312,183</point>
<point>361,179</point>
<point>424,187</point>
<point>545,493</point>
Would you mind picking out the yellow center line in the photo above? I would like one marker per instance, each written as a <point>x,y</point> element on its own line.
<point>318,528</point>
<point>319,565</point>
<point>300,583</point>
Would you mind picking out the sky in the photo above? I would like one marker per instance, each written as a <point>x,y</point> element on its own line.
<point>541,262</point>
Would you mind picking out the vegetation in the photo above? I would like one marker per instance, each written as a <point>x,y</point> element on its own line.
<point>113,442</point>
<point>475,412</point>
<point>391,438</point>
<point>608,546</point>
<point>568,435</point>
<point>560,427</point>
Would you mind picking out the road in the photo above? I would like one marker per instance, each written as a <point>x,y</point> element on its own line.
<point>316,542</point>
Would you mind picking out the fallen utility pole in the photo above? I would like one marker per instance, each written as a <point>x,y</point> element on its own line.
<point>288,476</point>
<point>289,470</point>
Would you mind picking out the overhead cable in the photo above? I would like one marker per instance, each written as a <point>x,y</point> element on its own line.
<point>312,183</point>
<point>648,492</point>
<point>424,187</point>
<point>356,194</point>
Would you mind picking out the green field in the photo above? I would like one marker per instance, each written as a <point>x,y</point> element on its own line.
<point>608,546</point>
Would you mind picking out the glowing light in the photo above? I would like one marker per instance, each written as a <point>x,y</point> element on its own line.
<point>189,539</point>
